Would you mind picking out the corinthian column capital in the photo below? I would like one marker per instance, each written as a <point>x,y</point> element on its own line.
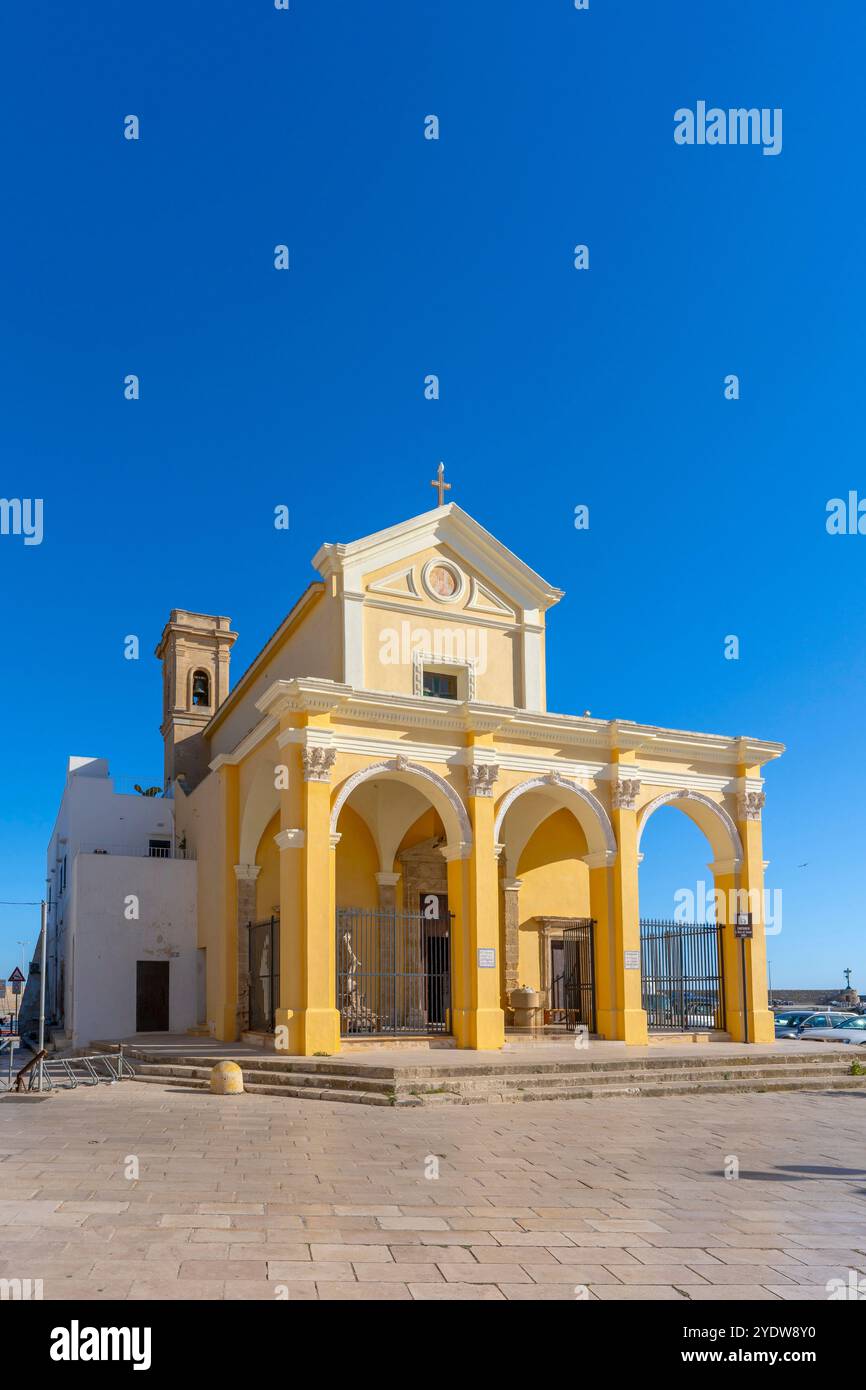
<point>624,793</point>
<point>482,778</point>
<point>750,805</point>
<point>318,763</point>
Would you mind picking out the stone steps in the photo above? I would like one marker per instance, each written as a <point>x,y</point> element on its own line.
<point>834,1081</point>
<point>275,1082</point>
<point>494,1083</point>
<point>287,1092</point>
<point>353,1079</point>
<point>577,1061</point>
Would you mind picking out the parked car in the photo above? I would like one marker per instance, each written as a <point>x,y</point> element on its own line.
<point>688,1010</point>
<point>792,1023</point>
<point>843,1029</point>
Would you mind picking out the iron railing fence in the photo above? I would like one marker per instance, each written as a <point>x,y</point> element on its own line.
<point>156,851</point>
<point>264,970</point>
<point>682,981</point>
<point>393,972</point>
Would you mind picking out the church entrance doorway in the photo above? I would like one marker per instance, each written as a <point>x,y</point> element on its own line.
<point>578,983</point>
<point>572,974</point>
<point>394,970</point>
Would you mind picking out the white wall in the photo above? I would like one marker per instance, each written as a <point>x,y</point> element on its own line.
<point>107,945</point>
<point>93,816</point>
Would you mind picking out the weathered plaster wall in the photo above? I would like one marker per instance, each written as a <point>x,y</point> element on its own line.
<point>108,944</point>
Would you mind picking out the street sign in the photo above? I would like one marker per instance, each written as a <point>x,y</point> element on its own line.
<point>16,976</point>
<point>743,926</point>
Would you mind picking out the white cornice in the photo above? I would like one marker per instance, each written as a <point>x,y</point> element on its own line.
<point>509,760</point>
<point>303,693</point>
<point>513,727</point>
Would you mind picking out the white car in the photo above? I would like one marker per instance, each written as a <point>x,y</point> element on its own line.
<point>790,1023</point>
<point>841,1030</point>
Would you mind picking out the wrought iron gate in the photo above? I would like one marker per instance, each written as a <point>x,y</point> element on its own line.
<point>578,974</point>
<point>264,939</point>
<point>393,972</point>
<point>682,983</point>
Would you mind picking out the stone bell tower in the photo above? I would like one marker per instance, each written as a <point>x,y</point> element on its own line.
<point>195,651</point>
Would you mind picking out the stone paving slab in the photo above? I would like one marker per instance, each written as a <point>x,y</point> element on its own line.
<point>147,1193</point>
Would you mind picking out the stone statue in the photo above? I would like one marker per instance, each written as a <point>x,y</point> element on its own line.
<point>359,1017</point>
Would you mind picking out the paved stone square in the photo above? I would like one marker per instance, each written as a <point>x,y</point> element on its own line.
<point>259,1197</point>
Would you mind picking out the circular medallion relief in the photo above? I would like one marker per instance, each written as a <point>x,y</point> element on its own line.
<point>443,581</point>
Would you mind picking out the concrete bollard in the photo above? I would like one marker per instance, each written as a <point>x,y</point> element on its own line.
<point>227,1079</point>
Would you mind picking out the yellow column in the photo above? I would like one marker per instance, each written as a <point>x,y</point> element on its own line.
<point>725,883</point>
<point>603,963</point>
<point>308,1011</point>
<point>457,861</point>
<point>480,1020</point>
<point>623,1016</point>
<point>289,842</point>
<point>747,1015</point>
<point>222,982</point>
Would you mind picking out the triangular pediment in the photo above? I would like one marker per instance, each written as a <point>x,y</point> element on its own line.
<point>491,579</point>
<point>439,578</point>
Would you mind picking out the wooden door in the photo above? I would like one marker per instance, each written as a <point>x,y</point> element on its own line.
<point>151,996</point>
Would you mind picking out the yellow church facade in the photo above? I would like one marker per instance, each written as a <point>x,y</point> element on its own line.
<point>393,833</point>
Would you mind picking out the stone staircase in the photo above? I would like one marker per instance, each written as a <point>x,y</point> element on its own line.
<point>366,1083</point>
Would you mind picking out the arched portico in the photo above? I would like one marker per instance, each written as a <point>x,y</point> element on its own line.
<point>577,848</point>
<point>587,809</point>
<point>423,939</point>
<point>712,818</point>
<point>705,943</point>
<point>556,843</point>
<point>440,793</point>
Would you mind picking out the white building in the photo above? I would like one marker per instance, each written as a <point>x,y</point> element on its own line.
<point>121,947</point>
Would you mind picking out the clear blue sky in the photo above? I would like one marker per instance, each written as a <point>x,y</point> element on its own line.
<point>707,517</point>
